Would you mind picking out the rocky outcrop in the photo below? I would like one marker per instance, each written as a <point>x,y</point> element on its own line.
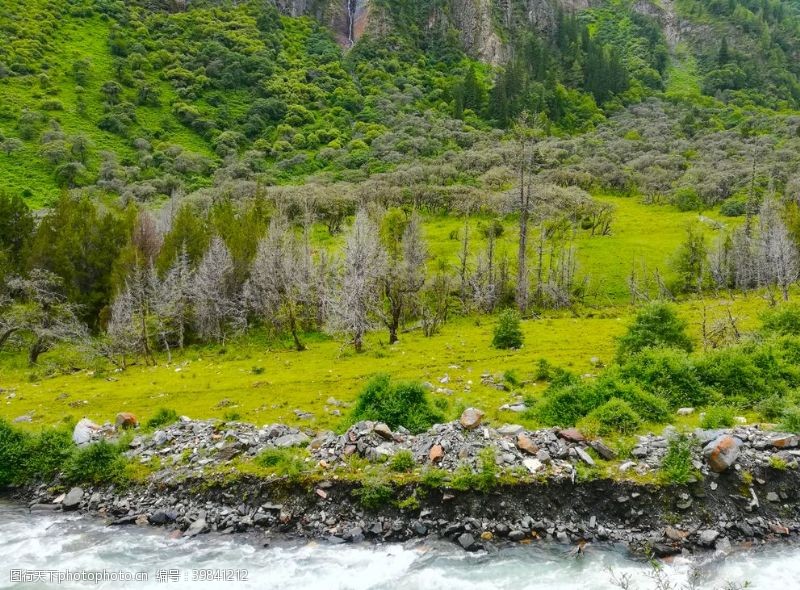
<point>754,498</point>
<point>483,26</point>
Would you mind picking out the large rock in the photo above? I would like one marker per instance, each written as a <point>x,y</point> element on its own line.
<point>603,450</point>
<point>84,431</point>
<point>707,537</point>
<point>526,444</point>
<point>532,465</point>
<point>126,420</point>
<point>73,499</point>
<point>436,453</point>
<point>471,418</point>
<point>384,431</point>
<point>466,541</point>
<point>784,441</point>
<point>291,440</point>
<point>722,452</point>
<point>197,527</point>
<point>572,435</point>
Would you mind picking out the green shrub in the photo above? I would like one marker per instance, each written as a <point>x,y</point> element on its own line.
<point>615,416</point>
<point>676,467</point>
<point>747,372</point>
<point>687,199</point>
<point>97,463</point>
<point>402,461</point>
<point>13,446</point>
<point>402,403</point>
<point>650,407</point>
<point>565,406</point>
<point>163,417</point>
<point>772,407</point>
<point>718,417</point>
<point>791,420</point>
<point>784,320</point>
<point>655,326</point>
<point>372,495</point>
<point>734,206</point>
<point>507,332</point>
<point>433,477</point>
<point>511,378</point>
<point>287,463</point>
<point>543,371</point>
<point>48,452</point>
<point>669,374</point>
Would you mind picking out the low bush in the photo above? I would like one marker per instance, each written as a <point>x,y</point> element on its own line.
<point>749,372</point>
<point>773,407</point>
<point>784,321</point>
<point>650,407</point>
<point>676,467</point>
<point>48,452</point>
<point>565,406</point>
<point>791,420</point>
<point>402,403</point>
<point>669,374</point>
<point>13,447</point>
<point>734,206</point>
<point>97,463</point>
<point>615,416</point>
<point>373,495</point>
<point>163,417</point>
<point>718,417</point>
<point>508,333</point>
<point>655,326</point>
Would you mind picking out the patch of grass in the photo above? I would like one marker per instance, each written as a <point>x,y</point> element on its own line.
<point>163,417</point>
<point>718,417</point>
<point>433,477</point>
<point>402,461</point>
<point>464,478</point>
<point>777,463</point>
<point>288,463</point>
<point>373,495</point>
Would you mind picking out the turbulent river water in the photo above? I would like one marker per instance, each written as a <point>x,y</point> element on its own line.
<point>46,548</point>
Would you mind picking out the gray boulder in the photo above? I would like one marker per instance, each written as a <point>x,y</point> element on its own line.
<point>73,499</point>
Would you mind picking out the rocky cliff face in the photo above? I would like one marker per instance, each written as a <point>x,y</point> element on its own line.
<point>483,25</point>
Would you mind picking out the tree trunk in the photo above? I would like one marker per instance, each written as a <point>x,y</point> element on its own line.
<point>6,335</point>
<point>37,348</point>
<point>299,346</point>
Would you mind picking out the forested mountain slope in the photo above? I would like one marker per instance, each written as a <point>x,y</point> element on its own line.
<point>149,99</point>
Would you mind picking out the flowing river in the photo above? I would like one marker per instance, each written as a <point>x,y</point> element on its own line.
<point>46,548</point>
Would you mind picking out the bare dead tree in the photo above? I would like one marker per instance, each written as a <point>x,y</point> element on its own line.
<point>778,256</point>
<point>172,302</point>
<point>403,277</point>
<point>218,309</point>
<point>278,284</point>
<point>358,295</point>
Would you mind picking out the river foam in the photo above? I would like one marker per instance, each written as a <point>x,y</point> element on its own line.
<point>58,541</point>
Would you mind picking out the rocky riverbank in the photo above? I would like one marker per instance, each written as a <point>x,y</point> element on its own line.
<point>550,485</point>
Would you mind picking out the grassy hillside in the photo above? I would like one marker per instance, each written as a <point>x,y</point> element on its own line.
<point>258,382</point>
